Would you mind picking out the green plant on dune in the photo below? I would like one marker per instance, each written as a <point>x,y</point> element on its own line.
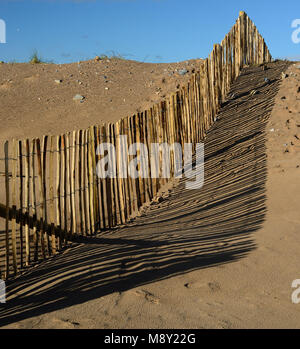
<point>111,55</point>
<point>35,58</point>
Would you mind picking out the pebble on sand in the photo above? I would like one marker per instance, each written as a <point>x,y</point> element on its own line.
<point>182,71</point>
<point>78,97</point>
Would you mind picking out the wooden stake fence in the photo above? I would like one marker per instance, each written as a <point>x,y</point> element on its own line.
<point>54,193</point>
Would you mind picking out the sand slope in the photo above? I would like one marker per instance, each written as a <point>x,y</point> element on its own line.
<point>223,256</point>
<point>34,104</point>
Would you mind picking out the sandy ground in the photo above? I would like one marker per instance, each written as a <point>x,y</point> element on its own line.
<point>37,99</point>
<point>34,104</point>
<point>223,256</point>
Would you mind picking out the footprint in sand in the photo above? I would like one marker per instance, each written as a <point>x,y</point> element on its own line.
<point>63,323</point>
<point>5,86</point>
<point>195,285</point>
<point>214,286</point>
<point>148,296</point>
<point>31,78</point>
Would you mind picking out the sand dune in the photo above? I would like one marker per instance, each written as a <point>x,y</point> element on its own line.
<point>223,256</point>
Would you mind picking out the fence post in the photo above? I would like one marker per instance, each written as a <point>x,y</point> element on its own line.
<point>6,152</point>
<point>14,203</point>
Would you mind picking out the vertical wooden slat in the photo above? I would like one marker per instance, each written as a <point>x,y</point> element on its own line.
<point>140,139</point>
<point>41,197</point>
<point>21,197</point>
<point>33,201</point>
<point>119,158</point>
<point>63,190</point>
<point>93,178</point>
<point>86,185</point>
<point>68,206</point>
<point>27,200</point>
<point>51,194</point>
<point>6,152</point>
<point>135,181</point>
<point>152,164</point>
<point>149,192</point>
<point>124,159</point>
<point>72,182</point>
<point>90,180</point>
<point>14,203</point>
<point>58,188</point>
<point>110,137</point>
<point>129,181</point>
<point>77,185</point>
<point>81,183</point>
<point>101,192</point>
<point>139,183</point>
<point>81,175</point>
<point>106,186</point>
<point>44,190</point>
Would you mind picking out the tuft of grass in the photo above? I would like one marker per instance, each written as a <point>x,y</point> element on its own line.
<point>36,59</point>
<point>112,55</point>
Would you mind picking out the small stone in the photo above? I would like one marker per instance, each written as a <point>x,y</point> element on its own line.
<point>298,89</point>
<point>283,97</point>
<point>182,71</point>
<point>267,80</point>
<point>297,136</point>
<point>289,149</point>
<point>272,130</point>
<point>106,88</point>
<point>78,97</point>
<point>58,81</point>
<point>283,75</point>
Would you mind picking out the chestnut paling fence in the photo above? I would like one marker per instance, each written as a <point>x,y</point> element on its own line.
<point>52,190</point>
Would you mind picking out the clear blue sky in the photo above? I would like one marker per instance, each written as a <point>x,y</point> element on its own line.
<point>146,30</point>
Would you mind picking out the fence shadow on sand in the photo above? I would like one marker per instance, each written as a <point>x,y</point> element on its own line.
<point>189,230</point>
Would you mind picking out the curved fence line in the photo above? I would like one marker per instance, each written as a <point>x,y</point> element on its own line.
<point>52,191</point>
